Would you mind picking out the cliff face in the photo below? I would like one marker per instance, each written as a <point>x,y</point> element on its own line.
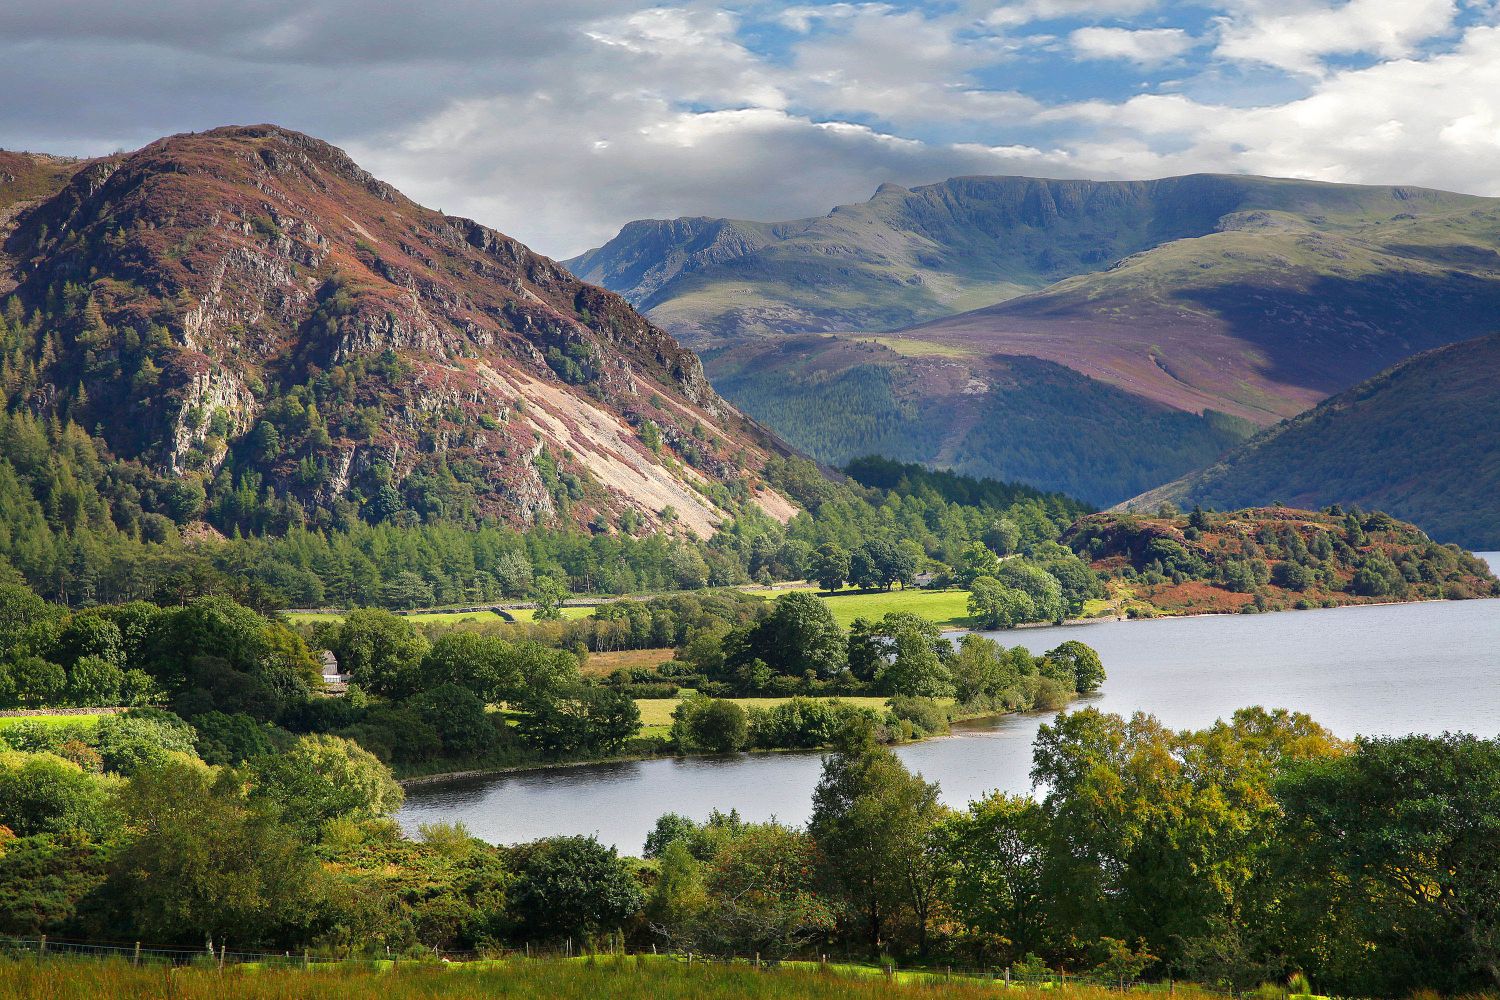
<point>248,303</point>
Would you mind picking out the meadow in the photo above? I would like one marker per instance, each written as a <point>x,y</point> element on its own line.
<point>621,978</point>
<point>945,608</point>
<point>52,720</point>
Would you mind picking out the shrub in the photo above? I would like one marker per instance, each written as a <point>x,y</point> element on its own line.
<point>927,715</point>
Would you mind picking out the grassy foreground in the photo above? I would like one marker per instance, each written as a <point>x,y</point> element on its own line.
<point>620,979</point>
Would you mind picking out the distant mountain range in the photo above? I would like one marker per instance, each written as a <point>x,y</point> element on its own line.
<point>248,313</point>
<point>1420,441</point>
<point>1096,337</point>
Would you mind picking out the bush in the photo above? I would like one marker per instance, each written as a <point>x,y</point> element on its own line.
<point>803,723</point>
<point>711,724</point>
<point>927,715</point>
<point>141,738</point>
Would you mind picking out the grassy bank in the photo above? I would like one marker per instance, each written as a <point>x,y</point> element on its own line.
<point>620,978</point>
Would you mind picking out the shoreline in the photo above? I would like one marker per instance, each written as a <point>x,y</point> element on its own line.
<point>446,776</point>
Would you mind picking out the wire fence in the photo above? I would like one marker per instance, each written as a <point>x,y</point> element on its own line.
<point>219,956</point>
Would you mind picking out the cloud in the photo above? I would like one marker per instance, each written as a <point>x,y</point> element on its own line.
<point>1433,122</point>
<point>1296,36</point>
<point>1145,46</point>
<point>559,120</point>
<point>1026,11</point>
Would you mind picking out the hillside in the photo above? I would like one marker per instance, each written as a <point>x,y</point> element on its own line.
<point>1208,295</point>
<point>1009,418</point>
<point>1421,440</point>
<point>245,311</point>
<point>1271,559</point>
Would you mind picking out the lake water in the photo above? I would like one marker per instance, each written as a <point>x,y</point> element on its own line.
<point>1377,670</point>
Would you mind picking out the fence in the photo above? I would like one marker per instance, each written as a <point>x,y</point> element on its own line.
<point>218,956</point>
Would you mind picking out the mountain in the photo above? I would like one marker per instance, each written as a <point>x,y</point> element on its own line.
<point>1421,441</point>
<point>1191,310</point>
<point>247,311</point>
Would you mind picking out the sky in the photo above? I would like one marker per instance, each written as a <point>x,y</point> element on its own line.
<point>557,121</point>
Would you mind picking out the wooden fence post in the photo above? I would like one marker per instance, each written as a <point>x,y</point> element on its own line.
<point>304,958</point>
<point>135,959</point>
<point>44,946</point>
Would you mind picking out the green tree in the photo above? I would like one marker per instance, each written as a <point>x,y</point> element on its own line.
<point>205,860</point>
<point>976,561</point>
<point>830,566</point>
<point>713,724</point>
<point>321,778</point>
<point>571,887</point>
<point>1036,583</point>
<point>993,859</point>
<point>1393,853</point>
<point>1076,664</point>
<point>903,654</point>
<point>141,738</point>
<point>549,595</point>
<point>994,605</point>
<point>799,636</point>
<point>380,651</point>
<point>95,681</point>
<point>482,664</point>
<point>870,820</point>
<point>44,794</point>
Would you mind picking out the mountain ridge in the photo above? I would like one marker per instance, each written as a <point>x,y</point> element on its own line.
<point>1237,301</point>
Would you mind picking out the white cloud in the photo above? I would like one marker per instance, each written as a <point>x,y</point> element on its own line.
<point>1432,122</point>
<point>1144,46</point>
<point>1025,11</point>
<point>559,120</point>
<point>1295,36</point>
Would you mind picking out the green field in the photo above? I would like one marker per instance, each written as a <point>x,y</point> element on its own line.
<point>50,720</point>
<point>624,978</point>
<point>947,608</point>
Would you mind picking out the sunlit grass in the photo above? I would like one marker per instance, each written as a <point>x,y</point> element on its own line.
<point>623,978</point>
<point>58,721</point>
<point>946,608</point>
<point>657,712</point>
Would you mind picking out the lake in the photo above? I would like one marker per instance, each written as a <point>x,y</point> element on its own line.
<point>1376,670</point>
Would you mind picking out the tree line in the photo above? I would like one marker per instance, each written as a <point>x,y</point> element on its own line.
<point>1257,849</point>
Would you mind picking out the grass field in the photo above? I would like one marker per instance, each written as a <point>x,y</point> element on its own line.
<point>51,720</point>
<point>624,978</point>
<point>604,664</point>
<point>947,608</point>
